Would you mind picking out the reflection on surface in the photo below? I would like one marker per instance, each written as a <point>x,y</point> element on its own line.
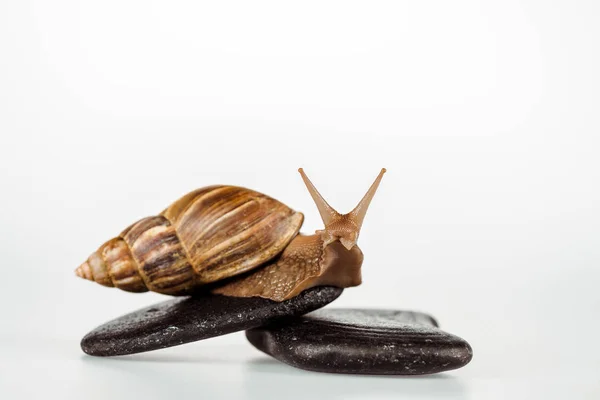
<point>240,372</point>
<point>298,384</point>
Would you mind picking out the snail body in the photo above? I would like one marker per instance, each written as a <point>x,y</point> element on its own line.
<point>243,242</point>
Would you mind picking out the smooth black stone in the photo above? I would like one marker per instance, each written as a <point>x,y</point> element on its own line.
<point>187,319</point>
<point>357,341</point>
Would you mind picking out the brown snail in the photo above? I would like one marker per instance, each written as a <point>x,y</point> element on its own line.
<point>221,232</point>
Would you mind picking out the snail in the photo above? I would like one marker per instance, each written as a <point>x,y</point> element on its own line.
<point>236,241</point>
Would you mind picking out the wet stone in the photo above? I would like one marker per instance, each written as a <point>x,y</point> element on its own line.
<point>188,319</point>
<point>363,341</point>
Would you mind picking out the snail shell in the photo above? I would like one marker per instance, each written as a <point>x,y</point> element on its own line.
<point>206,236</point>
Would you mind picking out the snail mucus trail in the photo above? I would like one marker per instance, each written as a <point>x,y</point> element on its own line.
<point>242,242</point>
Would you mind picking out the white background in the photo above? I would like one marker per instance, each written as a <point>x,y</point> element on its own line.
<point>486,115</point>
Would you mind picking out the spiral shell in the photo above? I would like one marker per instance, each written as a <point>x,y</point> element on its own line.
<point>207,235</point>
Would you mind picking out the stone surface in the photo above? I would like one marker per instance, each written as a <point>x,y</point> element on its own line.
<point>358,341</point>
<point>183,320</point>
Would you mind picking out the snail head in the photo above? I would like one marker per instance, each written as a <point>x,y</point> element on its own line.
<point>342,227</point>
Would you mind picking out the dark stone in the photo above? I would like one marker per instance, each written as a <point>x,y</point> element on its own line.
<point>357,341</point>
<point>187,319</point>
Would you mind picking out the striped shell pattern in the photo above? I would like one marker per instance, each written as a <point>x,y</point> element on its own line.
<point>208,235</point>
